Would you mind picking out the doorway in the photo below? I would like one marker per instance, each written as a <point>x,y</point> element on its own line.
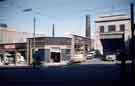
<point>55,56</point>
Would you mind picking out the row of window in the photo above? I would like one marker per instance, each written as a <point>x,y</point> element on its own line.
<point>112,28</point>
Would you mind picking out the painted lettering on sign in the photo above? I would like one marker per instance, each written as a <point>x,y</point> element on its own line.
<point>9,46</point>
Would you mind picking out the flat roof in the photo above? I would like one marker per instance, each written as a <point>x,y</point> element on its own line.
<point>53,40</point>
<point>12,43</point>
<point>112,18</point>
<point>113,15</point>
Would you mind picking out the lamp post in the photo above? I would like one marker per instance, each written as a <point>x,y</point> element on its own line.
<point>34,23</point>
<point>34,28</point>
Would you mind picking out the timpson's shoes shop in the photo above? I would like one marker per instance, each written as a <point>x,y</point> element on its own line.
<point>12,53</point>
<point>45,50</point>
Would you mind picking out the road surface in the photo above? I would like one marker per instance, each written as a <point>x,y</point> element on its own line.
<point>76,74</point>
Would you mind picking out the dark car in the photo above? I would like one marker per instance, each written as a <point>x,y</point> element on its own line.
<point>122,55</point>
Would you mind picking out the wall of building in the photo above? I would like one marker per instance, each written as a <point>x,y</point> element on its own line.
<point>116,20</point>
<point>46,44</point>
<point>10,35</point>
<point>68,46</point>
<point>80,45</point>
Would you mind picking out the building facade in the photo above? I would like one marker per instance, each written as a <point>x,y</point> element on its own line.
<point>112,33</point>
<point>10,35</point>
<point>47,49</point>
<point>10,50</point>
<point>57,49</point>
<point>12,42</point>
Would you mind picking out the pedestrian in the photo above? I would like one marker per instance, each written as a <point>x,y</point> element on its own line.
<point>36,59</point>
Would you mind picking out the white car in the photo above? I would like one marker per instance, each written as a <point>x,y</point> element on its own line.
<point>91,55</point>
<point>110,57</point>
<point>78,58</point>
<point>21,60</point>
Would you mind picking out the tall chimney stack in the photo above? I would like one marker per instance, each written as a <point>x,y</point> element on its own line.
<point>88,28</point>
<point>53,31</point>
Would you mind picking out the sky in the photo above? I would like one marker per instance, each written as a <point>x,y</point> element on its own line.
<point>68,16</point>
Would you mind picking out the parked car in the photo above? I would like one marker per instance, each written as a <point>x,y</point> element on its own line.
<point>110,57</point>
<point>8,59</point>
<point>91,54</point>
<point>78,58</point>
<point>122,55</point>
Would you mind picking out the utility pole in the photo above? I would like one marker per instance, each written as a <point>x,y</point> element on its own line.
<point>53,31</point>
<point>132,40</point>
<point>34,23</point>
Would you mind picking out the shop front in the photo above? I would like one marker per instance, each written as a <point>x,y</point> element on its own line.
<point>49,49</point>
<point>9,51</point>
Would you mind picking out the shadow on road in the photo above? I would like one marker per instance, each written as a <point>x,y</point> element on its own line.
<point>92,74</point>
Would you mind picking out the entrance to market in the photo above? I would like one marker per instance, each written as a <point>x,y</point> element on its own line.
<point>55,56</point>
<point>112,45</point>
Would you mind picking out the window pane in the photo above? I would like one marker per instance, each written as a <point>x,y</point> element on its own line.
<point>111,28</point>
<point>65,54</point>
<point>102,29</point>
<point>122,27</point>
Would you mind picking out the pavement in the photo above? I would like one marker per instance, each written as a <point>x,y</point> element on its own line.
<point>13,65</point>
<point>64,63</point>
<point>99,61</point>
<point>55,64</point>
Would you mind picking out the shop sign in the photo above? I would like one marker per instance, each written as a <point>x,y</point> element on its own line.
<point>9,46</point>
<point>55,49</point>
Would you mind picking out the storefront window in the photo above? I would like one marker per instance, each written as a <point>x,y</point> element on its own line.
<point>65,54</point>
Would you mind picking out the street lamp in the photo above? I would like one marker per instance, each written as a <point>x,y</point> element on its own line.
<point>34,28</point>
<point>34,23</point>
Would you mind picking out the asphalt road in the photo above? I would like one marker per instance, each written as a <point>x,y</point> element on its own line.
<point>77,74</point>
